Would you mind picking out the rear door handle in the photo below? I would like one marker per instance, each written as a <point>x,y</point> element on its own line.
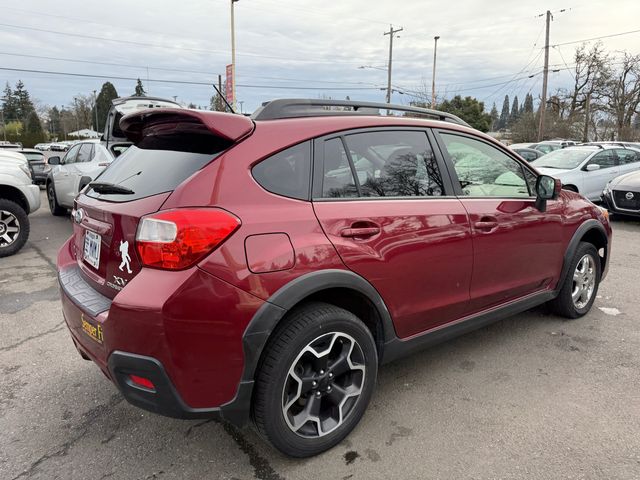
<point>486,224</point>
<point>360,232</point>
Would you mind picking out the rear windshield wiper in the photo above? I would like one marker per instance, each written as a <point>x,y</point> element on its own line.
<point>107,188</point>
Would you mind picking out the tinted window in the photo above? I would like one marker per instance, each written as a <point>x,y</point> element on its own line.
<point>85,152</point>
<point>604,159</point>
<point>33,156</point>
<point>527,155</point>
<point>395,164</point>
<point>149,172</point>
<point>286,173</point>
<point>627,156</point>
<point>70,157</point>
<point>338,180</point>
<point>483,170</point>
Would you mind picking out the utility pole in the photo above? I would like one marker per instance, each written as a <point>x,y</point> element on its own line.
<point>233,56</point>
<point>545,76</point>
<point>391,33</point>
<point>585,134</point>
<point>433,79</point>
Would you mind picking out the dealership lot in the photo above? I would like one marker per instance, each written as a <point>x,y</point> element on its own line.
<point>533,396</point>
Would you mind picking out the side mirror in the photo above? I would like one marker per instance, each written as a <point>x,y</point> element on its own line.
<point>53,161</point>
<point>592,166</point>
<point>547,188</point>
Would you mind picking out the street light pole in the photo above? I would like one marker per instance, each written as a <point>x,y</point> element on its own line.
<point>233,56</point>
<point>391,33</point>
<point>95,108</point>
<point>433,78</point>
<point>4,126</point>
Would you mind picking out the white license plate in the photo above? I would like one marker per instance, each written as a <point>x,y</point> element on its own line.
<point>92,248</point>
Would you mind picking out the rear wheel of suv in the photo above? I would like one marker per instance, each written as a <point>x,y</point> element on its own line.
<point>578,292</point>
<point>54,206</point>
<point>14,227</point>
<point>315,380</point>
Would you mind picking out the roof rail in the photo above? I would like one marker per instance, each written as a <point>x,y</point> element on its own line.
<point>308,107</point>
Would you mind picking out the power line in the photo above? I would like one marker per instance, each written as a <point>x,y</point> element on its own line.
<point>188,49</point>
<point>183,82</point>
<point>43,57</point>
<point>596,38</point>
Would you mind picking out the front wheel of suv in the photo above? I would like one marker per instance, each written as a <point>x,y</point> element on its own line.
<point>315,380</point>
<point>14,227</point>
<point>578,292</point>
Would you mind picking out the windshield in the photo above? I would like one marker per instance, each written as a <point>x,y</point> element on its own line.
<point>566,159</point>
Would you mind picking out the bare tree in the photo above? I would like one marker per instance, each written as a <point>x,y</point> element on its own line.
<point>622,94</point>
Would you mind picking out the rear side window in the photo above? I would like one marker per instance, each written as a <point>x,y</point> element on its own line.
<point>85,153</point>
<point>149,172</point>
<point>286,173</point>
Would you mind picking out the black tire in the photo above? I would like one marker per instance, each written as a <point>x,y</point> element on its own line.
<point>564,304</point>
<point>305,325</point>
<point>571,188</point>
<point>54,206</point>
<point>12,216</point>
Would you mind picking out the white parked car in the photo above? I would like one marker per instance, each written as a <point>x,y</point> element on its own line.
<point>71,173</point>
<point>588,168</point>
<point>18,198</point>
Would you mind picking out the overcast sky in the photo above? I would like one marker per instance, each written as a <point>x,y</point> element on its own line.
<point>486,48</point>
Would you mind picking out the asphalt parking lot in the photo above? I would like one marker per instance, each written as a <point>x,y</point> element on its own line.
<point>533,396</point>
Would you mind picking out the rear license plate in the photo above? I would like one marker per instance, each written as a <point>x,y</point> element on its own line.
<point>92,249</point>
<point>93,331</point>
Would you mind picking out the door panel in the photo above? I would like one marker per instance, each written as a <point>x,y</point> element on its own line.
<point>382,205</point>
<point>594,181</point>
<point>62,177</point>
<point>522,253</point>
<point>517,248</point>
<point>420,261</point>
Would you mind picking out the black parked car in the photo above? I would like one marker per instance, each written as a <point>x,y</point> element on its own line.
<point>622,194</point>
<point>529,154</point>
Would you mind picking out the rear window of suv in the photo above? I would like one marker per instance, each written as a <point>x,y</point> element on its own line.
<point>149,172</point>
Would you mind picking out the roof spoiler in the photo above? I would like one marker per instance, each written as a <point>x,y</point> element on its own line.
<point>173,121</point>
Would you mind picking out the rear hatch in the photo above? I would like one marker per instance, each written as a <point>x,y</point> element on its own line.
<point>169,147</point>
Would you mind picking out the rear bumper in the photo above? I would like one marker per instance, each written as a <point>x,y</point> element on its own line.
<point>184,332</point>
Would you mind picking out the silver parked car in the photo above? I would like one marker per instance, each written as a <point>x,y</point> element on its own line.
<point>588,168</point>
<point>71,173</point>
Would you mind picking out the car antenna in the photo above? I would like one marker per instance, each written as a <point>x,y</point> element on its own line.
<point>223,99</point>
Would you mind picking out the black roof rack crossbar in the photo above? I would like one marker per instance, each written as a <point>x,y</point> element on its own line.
<point>307,107</point>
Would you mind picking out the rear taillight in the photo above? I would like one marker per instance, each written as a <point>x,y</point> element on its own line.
<point>176,239</point>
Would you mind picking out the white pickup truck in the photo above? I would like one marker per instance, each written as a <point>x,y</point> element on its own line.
<point>18,198</point>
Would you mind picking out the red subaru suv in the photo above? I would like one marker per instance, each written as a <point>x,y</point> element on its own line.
<point>261,268</point>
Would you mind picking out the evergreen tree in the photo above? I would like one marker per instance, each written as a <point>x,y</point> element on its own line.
<point>9,109</point>
<point>470,109</point>
<point>139,90</point>
<point>528,104</point>
<point>103,104</point>
<point>494,117</point>
<point>32,125</point>
<point>23,103</point>
<point>513,116</point>
<point>504,115</point>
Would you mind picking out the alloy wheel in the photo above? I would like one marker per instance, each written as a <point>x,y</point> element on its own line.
<point>323,385</point>
<point>584,281</point>
<point>9,228</point>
